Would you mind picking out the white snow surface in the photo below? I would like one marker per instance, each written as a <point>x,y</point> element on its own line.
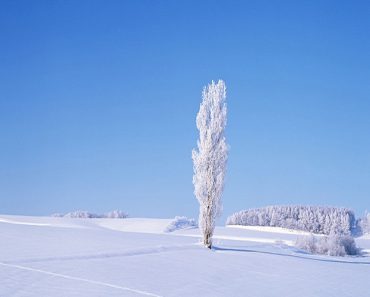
<point>46,256</point>
<point>272,229</point>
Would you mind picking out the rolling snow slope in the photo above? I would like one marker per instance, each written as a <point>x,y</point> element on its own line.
<point>43,256</point>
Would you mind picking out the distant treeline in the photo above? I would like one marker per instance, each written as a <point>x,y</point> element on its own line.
<point>83,214</point>
<point>316,219</point>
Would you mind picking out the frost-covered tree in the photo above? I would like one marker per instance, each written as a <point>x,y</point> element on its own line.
<point>210,158</point>
<point>363,224</point>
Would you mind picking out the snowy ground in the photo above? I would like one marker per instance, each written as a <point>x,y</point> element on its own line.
<point>42,256</point>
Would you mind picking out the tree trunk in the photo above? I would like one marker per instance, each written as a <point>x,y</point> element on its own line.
<point>208,229</point>
<point>207,239</point>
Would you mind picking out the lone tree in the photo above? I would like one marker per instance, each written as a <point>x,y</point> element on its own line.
<point>210,158</point>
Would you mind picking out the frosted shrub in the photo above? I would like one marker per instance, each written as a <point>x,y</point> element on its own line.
<point>349,245</point>
<point>57,215</point>
<point>333,245</point>
<point>181,223</point>
<point>115,214</point>
<point>81,214</point>
<point>307,243</point>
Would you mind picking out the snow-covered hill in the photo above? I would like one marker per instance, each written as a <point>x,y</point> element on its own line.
<point>44,256</point>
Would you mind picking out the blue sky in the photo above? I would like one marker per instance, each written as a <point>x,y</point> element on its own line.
<point>98,102</point>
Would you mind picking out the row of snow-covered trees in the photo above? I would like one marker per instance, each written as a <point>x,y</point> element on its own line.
<point>316,219</point>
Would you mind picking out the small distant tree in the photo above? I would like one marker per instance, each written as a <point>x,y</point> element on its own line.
<point>363,224</point>
<point>210,158</point>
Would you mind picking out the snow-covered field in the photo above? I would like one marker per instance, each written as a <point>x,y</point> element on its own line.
<point>44,256</point>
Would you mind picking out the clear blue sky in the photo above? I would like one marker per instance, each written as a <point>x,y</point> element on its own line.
<point>98,102</point>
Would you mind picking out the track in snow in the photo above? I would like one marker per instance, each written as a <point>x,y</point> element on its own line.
<point>140,292</point>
